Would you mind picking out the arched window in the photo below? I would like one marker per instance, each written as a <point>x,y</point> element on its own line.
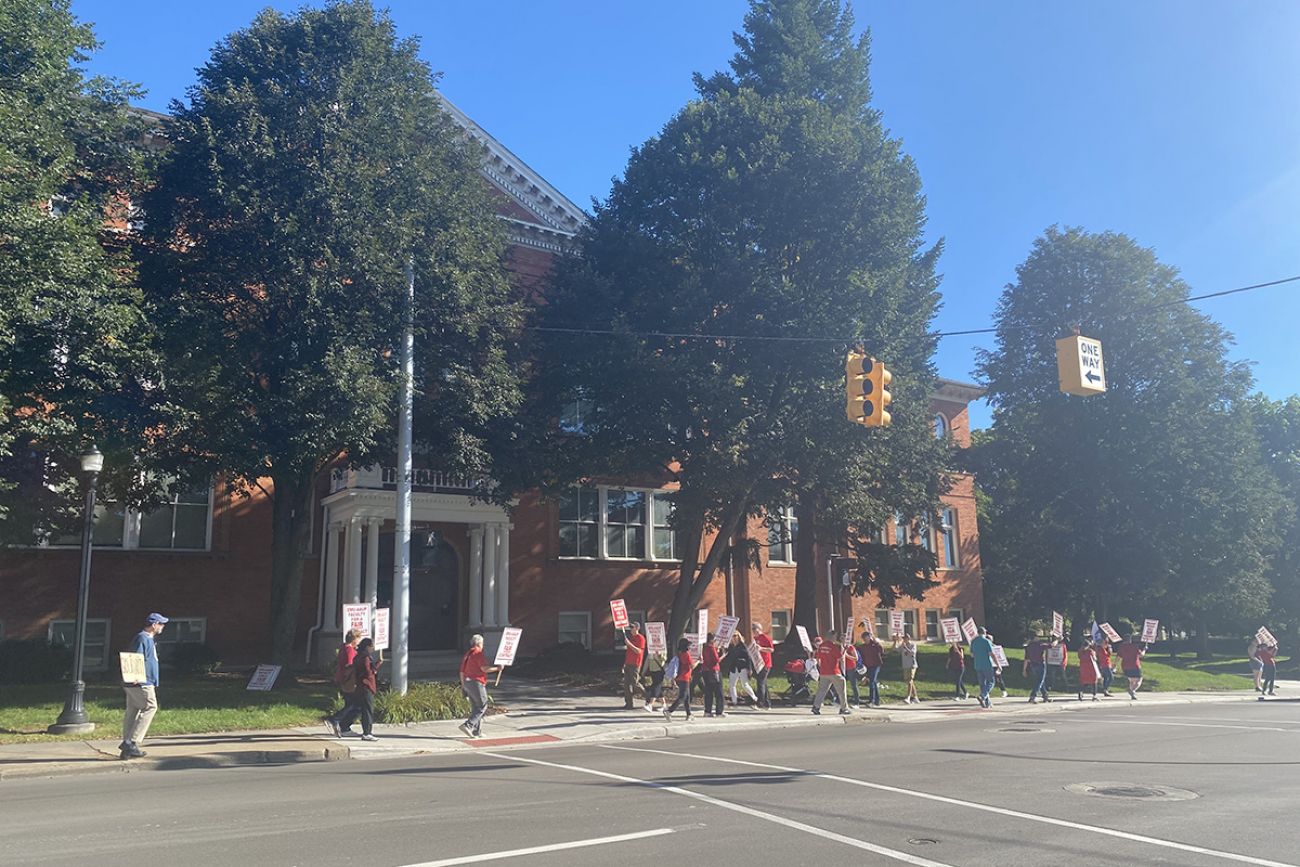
<point>940,425</point>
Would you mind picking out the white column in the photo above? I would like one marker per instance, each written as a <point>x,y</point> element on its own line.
<point>490,548</point>
<point>331,600</point>
<point>503,575</point>
<point>476,576</point>
<point>372,562</point>
<point>352,562</point>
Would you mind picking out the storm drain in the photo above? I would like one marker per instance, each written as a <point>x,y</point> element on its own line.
<point>1132,792</point>
<point>1022,730</point>
<point>921,841</point>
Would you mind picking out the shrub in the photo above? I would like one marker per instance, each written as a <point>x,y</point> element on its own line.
<point>423,702</point>
<point>191,658</point>
<point>33,661</point>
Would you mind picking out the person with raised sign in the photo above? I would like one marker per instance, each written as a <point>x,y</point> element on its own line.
<point>906,648</point>
<point>633,661</point>
<point>142,698</point>
<point>765,647</point>
<point>679,671</point>
<point>711,674</point>
<point>655,662</point>
<point>1130,653</point>
<point>1256,667</point>
<point>345,679</point>
<point>830,674</point>
<point>981,653</point>
<point>872,654</point>
<point>957,668</point>
<point>1034,669</point>
<point>367,676</point>
<point>1105,665</point>
<point>474,670</point>
<point>1089,671</point>
<point>1268,657</point>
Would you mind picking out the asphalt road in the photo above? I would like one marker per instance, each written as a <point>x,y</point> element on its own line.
<point>1188,785</point>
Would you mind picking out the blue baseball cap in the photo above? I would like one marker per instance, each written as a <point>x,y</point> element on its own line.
<point>156,618</point>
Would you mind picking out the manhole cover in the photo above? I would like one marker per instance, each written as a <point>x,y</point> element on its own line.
<point>921,841</point>
<point>1132,791</point>
<point>1022,730</point>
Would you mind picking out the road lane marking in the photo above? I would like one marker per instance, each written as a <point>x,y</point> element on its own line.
<point>987,808</point>
<point>905,857</point>
<point>1276,722</point>
<point>538,850</point>
<point>1142,722</point>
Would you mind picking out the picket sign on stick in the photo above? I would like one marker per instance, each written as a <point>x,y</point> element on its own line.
<point>697,646</point>
<point>896,625</point>
<point>726,628</point>
<point>702,624</point>
<point>1110,631</point>
<point>1000,656</point>
<point>1264,636</point>
<point>618,608</point>
<point>1150,628</point>
<point>755,656</point>
<point>951,629</point>
<point>656,637</point>
<point>381,630</point>
<point>803,637</point>
<point>1058,624</point>
<point>356,615</point>
<point>969,629</point>
<point>507,649</point>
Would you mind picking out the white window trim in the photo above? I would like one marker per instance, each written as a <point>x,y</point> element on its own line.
<point>89,664</point>
<point>203,630</point>
<point>131,533</point>
<point>789,625</point>
<point>602,513</point>
<point>586,615</point>
<point>947,535</point>
<point>786,517</point>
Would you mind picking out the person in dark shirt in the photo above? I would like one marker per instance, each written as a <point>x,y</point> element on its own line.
<point>1035,669</point>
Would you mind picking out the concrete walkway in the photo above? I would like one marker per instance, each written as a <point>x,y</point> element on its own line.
<point>524,714</point>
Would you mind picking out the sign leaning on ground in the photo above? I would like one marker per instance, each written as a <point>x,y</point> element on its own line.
<point>803,637</point>
<point>357,616</point>
<point>1079,366</point>
<point>263,678</point>
<point>1150,628</point>
<point>381,629</point>
<point>1110,631</point>
<point>656,637</point>
<point>133,668</point>
<point>726,628</point>
<point>618,608</point>
<point>951,627</point>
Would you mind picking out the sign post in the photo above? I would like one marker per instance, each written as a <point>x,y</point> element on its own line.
<point>1263,636</point>
<point>1000,656</point>
<point>755,656</point>
<point>264,678</point>
<point>506,649</point>
<point>1079,367</point>
<point>702,623</point>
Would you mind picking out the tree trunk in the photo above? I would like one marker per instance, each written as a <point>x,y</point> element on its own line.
<point>805,566</point>
<point>1202,639</point>
<point>693,580</point>
<point>290,524</point>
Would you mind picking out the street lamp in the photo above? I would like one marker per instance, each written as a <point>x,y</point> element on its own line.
<point>73,720</point>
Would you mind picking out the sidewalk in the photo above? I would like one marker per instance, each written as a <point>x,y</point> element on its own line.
<point>527,714</point>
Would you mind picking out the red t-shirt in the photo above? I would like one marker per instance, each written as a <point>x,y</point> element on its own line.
<point>474,665</point>
<point>765,648</point>
<point>1267,655</point>
<point>712,661</point>
<point>684,666</point>
<point>347,656</point>
<point>1103,656</point>
<point>635,649</point>
<point>1130,655</point>
<point>873,654</point>
<point>829,657</point>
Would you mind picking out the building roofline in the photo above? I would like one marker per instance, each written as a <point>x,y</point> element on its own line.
<point>955,390</point>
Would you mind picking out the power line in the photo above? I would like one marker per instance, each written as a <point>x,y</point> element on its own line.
<point>779,338</point>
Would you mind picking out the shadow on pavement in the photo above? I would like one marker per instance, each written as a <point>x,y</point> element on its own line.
<point>992,754</point>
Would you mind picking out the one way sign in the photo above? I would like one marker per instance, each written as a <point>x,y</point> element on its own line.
<point>1079,366</point>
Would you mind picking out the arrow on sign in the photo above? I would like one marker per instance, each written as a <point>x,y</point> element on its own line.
<point>1092,377</point>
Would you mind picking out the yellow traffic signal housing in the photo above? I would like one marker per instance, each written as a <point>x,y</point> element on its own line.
<point>876,394</point>
<point>866,391</point>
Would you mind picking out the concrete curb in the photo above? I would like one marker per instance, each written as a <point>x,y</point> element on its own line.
<point>234,759</point>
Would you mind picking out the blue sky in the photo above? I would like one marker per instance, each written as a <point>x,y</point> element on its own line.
<point>1175,121</point>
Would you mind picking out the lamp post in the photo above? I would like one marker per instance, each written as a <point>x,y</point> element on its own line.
<point>73,720</point>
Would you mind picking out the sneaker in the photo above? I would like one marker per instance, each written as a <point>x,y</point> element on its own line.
<point>1033,700</point>
<point>1004,693</point>
<point>708,713</point>
<point>844,711</point>
<point>817,711</point>
<point>649,709</point>
<point>668,715</point>
<point>720,713</point>
<point>132,753</point>
<point>334,728</point>
<point>477,735</point>
<point>369,738</point>
<point>469,732</point>
<point>1132,694</point>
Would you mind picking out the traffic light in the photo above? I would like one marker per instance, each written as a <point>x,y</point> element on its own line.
<point>866,392</point>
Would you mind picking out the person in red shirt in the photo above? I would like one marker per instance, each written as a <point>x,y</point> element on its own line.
<point>341,722</point>
<point>1267,654</point>
<point>711,672</point>
<point>679,669</point>
<point>1089,671</point>
<point>1130,654</point>
<point>873,657</point>
<point>367,670</point>
<point>633,660</point>
<point>765,648</point>
<point>830,670</point>
<point>474,670</point>
<point>1105,665</point>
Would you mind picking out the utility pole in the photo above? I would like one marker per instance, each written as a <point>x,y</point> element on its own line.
<point>402,538</point>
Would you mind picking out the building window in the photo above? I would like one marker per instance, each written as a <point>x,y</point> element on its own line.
<point>780,624</point>
<point>576,417</point>
<point>932,632</point>
<point>957,614</point>
<point>611,523</point>
<point>575,628</point>
<point>579,519</point>
<point>624,524</point>
<point>97,631</point>
<point>948,531</point>
<point>909,622</point>
<point>182,523</point>
<point>940,425</point>
<point>882,622</point>
<point>633,616</point>
<point>900,530</point>
<point>183,630</point>
<point>782,533</point>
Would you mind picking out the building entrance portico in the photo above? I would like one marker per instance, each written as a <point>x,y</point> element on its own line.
<point>460,555</point>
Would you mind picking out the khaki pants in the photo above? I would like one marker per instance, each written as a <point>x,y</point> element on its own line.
<point>141,705</point>
<point>828,681</point>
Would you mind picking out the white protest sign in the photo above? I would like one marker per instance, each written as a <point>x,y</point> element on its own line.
<point>263,678</point>
<point>133,668</point>
<point>1056,655</point>
<point>868,628</point>
<point>1264,636</point>
<point>1149,630</point>
<point>896,626</point>
<point>357,616</point>
<point>755,656</point>
<point>697,646</point>
<point>381,628</point>
<point>1058,624</point>
<point>656,637</point>
<point>726,628</point>
<point>618,608</point>
<point>969,629</point>
<point>803,637</point>
<point>1110,631</point>
<point>702,623</point>
<point>509,646</point>
<point>1000,656</point>
<point>951,627</point>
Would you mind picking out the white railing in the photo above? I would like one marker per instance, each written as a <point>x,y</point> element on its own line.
<point>376,477</point>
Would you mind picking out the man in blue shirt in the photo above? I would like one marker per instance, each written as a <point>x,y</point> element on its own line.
<point>981,650</point>
<point>142,698</point>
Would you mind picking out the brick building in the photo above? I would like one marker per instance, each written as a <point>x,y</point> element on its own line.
<point>550,568</point>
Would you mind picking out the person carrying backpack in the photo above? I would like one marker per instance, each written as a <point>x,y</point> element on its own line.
<point>679,671</point>
<point>340,723</point>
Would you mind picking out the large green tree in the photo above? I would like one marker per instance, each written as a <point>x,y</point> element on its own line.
<point>1148,499</point>
<point>74,346</point>
<point>1277,423</point>
<point>771,209</point>
<point>311,160</point>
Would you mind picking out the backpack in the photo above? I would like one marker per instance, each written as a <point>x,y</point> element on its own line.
<point>670,673</point>
<point>347,678</point>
